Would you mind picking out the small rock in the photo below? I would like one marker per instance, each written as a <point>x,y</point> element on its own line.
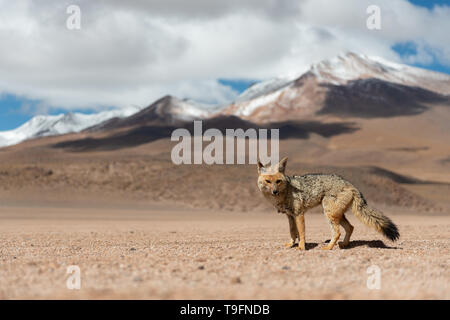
<point>201,267</point>
<point>132,249</point>
<point>285,268</point>
<point>236,280</point>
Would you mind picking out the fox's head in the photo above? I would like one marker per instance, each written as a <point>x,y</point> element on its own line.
<point>272,180</point>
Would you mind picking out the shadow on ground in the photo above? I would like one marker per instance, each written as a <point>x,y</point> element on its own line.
<point>360,243</point>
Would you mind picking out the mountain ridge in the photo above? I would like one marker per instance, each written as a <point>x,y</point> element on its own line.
<point>349,84</point>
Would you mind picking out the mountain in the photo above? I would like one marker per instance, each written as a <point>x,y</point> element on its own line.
<point>351,66</point>
<point>168,110</point>
<point>41,126</point>
<point>347,85</point>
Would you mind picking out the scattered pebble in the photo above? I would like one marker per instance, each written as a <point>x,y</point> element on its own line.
<point>236,280</point>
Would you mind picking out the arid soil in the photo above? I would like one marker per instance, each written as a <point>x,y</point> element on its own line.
<point>162,253</point>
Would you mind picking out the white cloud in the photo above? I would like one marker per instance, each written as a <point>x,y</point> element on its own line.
<point>133,52</point>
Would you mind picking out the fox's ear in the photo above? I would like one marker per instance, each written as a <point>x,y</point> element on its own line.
<point>281,166</point>
<point>260,167</point>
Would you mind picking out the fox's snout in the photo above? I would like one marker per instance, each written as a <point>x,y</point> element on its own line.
<point>274,192</point>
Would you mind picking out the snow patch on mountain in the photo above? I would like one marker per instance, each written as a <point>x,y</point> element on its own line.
<point>184,110</point>
<point>264,87</point>
<point>248,108</point>
<point>41,126</point>
<point>177,109</point>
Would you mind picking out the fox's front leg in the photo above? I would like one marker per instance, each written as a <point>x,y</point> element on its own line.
<point>300,223</point>
<point>293,231</point>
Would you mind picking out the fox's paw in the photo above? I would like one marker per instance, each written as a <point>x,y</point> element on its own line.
<point>289,244</point>
<point>301,246</point>
<point>343,244</point>
<point>326,248</point>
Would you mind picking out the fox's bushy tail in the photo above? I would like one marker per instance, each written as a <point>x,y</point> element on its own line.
<point>373,217</point>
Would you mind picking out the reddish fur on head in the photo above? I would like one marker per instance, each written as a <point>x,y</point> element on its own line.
<point>272,180</point>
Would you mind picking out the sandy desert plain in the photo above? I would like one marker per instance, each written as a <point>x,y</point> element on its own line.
<point>139,227</point>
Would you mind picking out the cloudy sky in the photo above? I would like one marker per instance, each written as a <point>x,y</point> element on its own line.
<point>133,52</point>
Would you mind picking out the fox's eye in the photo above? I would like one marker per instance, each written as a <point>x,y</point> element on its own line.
<point>278,181</point>
<point>268,181</point>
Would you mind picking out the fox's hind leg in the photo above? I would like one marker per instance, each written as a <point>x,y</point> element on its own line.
<point>334,208</point>
<point>348,231</point>
<point>293,231</point>
<point>336,233</point>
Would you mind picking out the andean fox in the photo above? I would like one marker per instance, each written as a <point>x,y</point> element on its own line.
<point>294,195</point>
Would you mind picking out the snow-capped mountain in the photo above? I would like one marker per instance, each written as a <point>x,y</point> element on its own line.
<point>168,110</point>
<point>40,126</point>
<point>294,97</point>
<point>352,66</point>
<point>349,84</point>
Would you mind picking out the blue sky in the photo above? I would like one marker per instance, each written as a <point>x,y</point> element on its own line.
<point>15,109</point>
<point>11,115</point>
<point>429,3</point>
<point>237,84</point>
<point>407,49</point>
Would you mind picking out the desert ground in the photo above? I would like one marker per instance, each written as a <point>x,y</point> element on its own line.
<point>139,226</point>
<point>175,253</point>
